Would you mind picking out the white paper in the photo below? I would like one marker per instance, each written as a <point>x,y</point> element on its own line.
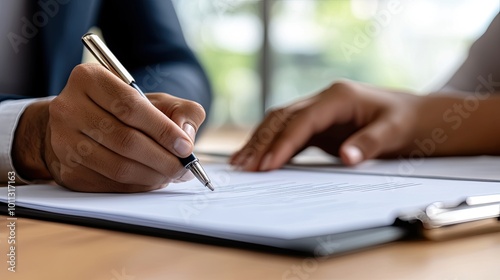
<point>478,168</point>
<point>283,204</point>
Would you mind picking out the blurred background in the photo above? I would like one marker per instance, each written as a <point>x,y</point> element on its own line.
<point>264,53</point>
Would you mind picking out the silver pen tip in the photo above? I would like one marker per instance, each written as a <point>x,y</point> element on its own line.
<point>209,185</point>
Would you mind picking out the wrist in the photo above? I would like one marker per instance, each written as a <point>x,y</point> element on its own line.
<point>458,124</point>
<point>28,147</point>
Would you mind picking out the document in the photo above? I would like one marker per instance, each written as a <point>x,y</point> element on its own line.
<point>265,208</point>
<point>478,168</point>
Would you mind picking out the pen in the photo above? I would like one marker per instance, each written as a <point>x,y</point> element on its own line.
<point>102,53</point>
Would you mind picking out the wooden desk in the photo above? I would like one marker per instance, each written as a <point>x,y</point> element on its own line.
<point>47,250</point>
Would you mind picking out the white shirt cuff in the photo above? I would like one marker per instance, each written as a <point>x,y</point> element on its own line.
<point>10,113</point>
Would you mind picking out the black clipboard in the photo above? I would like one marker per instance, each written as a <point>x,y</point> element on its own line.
<point>438,221</point>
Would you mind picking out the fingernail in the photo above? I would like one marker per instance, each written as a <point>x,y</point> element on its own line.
<point>354,154</point>
<point>188,176</point>
<point>182,147</point>
<point>266,163</point>
<point>189,129</point>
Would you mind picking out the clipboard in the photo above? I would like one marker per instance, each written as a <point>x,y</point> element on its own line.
<point>437,222</point>
<point>329,215</point>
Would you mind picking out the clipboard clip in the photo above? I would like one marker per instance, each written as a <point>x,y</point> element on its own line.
<point>439,220</point>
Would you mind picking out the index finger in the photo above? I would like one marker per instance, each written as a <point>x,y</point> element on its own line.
<point>321,113</point>
<point>124,102</point>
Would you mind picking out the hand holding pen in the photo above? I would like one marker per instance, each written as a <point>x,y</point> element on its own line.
<point>100,135</point>
<point>108,60</point>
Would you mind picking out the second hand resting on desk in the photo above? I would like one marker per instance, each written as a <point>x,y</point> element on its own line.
<point>102,53</point>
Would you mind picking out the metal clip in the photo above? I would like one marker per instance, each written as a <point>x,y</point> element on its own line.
<point>478,214</point>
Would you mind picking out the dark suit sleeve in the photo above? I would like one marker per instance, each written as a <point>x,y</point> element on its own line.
<point>147,38</point>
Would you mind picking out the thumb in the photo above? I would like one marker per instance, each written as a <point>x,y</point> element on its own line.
<point>369,142</point>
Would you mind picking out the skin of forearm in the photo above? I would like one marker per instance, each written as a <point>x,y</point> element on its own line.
<point>29,142</point>
<point>454,125</point>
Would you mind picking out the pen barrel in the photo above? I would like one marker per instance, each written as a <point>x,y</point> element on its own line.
<point>188,160</point>
<point>101,52</point>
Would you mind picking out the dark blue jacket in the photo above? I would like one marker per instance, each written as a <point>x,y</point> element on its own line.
<point>145,35</point>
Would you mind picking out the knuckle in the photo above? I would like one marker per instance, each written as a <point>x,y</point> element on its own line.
<point>126,139</point>
<point>198,111</point>
<point>277,114</point>
<point>125,107</point>
<point>82,73</point>
<point>274,112</point>
<point>188,107</point>
<point>342,87</point>
<point>121,172</point>
<point>165,134</point>
<point>81,70</point>
<point>343,84</point>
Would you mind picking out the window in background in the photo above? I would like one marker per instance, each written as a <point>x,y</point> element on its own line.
<point>227,37</point>
<point>414,45</point>
<point>410,44</point>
